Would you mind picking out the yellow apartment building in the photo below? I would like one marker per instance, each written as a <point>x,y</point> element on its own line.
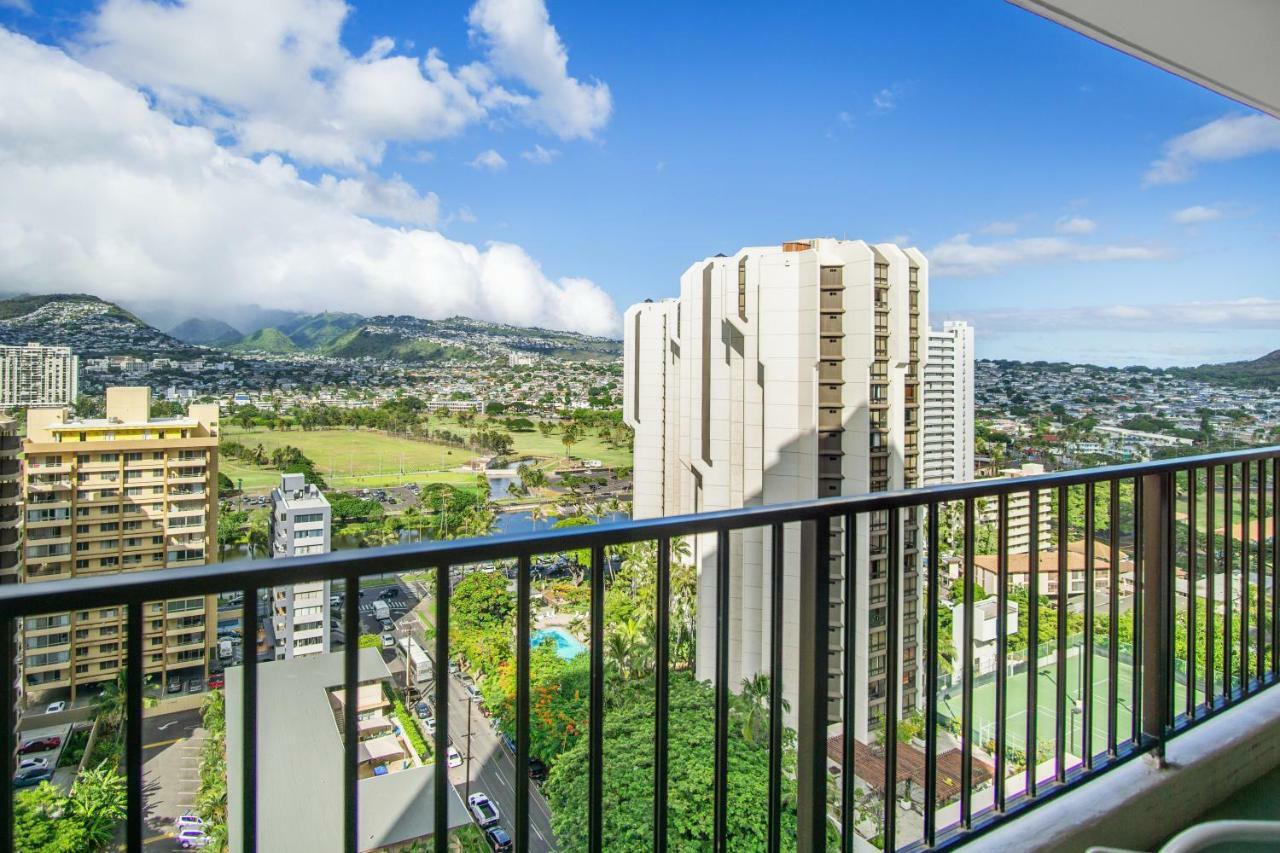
<point>122,493</point>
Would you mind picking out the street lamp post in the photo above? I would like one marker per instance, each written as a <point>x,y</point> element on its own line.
<point>468,786</point>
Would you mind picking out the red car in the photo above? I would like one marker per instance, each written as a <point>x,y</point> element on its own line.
<point>39,744</point>
<point>217,681</point>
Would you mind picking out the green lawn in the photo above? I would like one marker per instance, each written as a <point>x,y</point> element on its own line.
<point>353,458</point>
<point>535,443</point>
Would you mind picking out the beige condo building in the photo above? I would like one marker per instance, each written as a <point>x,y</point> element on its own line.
<point>126,492</point>
<point>782,373</point>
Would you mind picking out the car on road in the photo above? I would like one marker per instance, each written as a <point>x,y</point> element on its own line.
<point>430,724</point>
<point>483,808</point>
<point>31,777</point>
<point>217,681</point>
<point>455,757</point>
<point>192,838</point>
<point>537,770</point>
<point>391,592</point>
<point>56,707</point>
<point>498,839</point>
<point>423,710</point>
<point>473,691</point>
<point>509,743</point>
<point>39,744</point>
<point>387,625</point>
<point>28,763</point>
<point>388,641</point>
<point>188,821</point>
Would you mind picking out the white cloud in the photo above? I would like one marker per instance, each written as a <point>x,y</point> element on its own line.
<point>1196,214</point>
<point>960,256</point>
<point>999,229</point>
<point>1251,313</point>
<point>539,155</point>
<point>393,199</point>
<point>885,100</point>
<point>20,5</point>
<point>465,215</point>
<point>521,43</point>
<point>276,77</point>
<point>1075,225</point>
<point>1227,138</point>
<point>106,195</point>
<point>490,159</point>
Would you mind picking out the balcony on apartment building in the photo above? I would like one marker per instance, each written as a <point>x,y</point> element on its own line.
<point>1069,743</point>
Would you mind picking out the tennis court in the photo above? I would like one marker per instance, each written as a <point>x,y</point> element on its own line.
<point>984,702</point>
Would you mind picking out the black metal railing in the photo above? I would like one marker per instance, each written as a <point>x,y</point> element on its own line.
<point>1165,560</point>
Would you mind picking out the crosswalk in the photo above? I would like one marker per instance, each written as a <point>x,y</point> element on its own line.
<point>366,607</point>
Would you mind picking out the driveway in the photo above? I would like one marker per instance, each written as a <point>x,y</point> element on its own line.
<point>171,746</point>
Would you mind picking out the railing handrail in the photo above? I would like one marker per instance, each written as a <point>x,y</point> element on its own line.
<point>18,600</point>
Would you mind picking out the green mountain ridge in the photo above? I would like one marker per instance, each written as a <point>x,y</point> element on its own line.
<point>361,342</point>
<point>270,340</point>
<point>206,332</point>
<point>1263,372</point>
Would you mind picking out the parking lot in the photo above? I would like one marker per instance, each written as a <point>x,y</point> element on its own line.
<point>171,773</point>
<point>49,757</point>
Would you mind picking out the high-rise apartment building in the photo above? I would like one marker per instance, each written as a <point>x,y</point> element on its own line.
<point>126,492</point>
<point>948,405</point>
<point>10,502</point>
<point>37,375</point>
<point>783,373</point>
<point>988,512</point>
<point>300,524</point>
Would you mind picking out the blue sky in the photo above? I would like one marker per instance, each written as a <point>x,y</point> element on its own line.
<point>1060,189</point>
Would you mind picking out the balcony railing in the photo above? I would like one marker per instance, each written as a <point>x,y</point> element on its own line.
<point>1129,701</point>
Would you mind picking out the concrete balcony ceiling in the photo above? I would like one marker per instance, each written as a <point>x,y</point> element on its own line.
<point>1228,46</point>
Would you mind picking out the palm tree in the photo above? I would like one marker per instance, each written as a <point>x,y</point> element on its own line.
<point>111,703</point>
<point>754,700</point>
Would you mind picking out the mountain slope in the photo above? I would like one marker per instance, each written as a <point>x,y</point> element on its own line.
<point>89,325</point>
<point>1261,372</point>
<point>316,331</point>
<point>204,332</point>
<point>384,344</point>
<point>269,339</point>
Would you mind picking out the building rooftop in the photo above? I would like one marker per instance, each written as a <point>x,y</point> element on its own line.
<point>294,492</point>
<point>300,755</point>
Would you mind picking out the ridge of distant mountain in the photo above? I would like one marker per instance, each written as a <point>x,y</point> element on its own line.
<point>269,340</point>
<point>1262,372</point>
<point>316,331</point>
<point>89,325</point>
<point>206,332</point>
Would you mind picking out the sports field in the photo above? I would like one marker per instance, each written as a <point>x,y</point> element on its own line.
<point>984,703</point>
<point>350,458</point>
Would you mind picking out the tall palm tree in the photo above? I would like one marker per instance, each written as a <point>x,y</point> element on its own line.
<point>112,702</point>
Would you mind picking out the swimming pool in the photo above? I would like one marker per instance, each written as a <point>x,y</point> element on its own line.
<point>567,646</point>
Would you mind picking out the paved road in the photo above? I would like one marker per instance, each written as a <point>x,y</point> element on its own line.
<point>493,769</point>
<point>170,772</point>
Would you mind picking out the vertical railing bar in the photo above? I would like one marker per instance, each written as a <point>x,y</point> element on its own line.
<point>1113,619</point>
<point>1193,589</point>
<point>1275,566</point>
<point>8,727</point>
<point>892,682</point>
<point>720,781</point>
<point>1260,565</point>
<point>661,683</point>
<point>1002,650</point>
<point>133,726</point>
<point>249,721</point>
<point>1170,596</point>
<point>1033,638</point>
<point>813,693</point>
<point>1211,597</point>
<point>351,714</point>
<point>848,788</point>
<point>1135,701</point>
<point>595,752</point>
<point>931,685</point>
<point>1086,669</point>
<point>1244,579</point>
<point>521,781</point>
<point>1060,679</point>
<point>1228,590</point>
<point>966,688</point>
<point>775,688</point>
<point>440,671</point>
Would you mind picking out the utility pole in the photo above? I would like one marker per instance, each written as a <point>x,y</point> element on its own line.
<point>468,787</point>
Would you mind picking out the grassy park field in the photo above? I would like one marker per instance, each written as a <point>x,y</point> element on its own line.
<point>360,458</point>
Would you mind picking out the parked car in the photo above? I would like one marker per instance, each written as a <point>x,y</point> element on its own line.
<point>28,763</point>
<point>31,777</point>
<point>387,625</point>
<point>175,685</point>
<point>188,821</point>
<point>509,743</point>
<point>39,744</point>
<point>195,685</point>
<point>423,710</point>
<point>498,839</point>
<point>192,838</point>
<point>335,600</point>
<point>388,641</point>
<point>484,809</point>
<point>537,770</point>
<point>217,681</point>
<point>56,707</point>
<point>455,757</point>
